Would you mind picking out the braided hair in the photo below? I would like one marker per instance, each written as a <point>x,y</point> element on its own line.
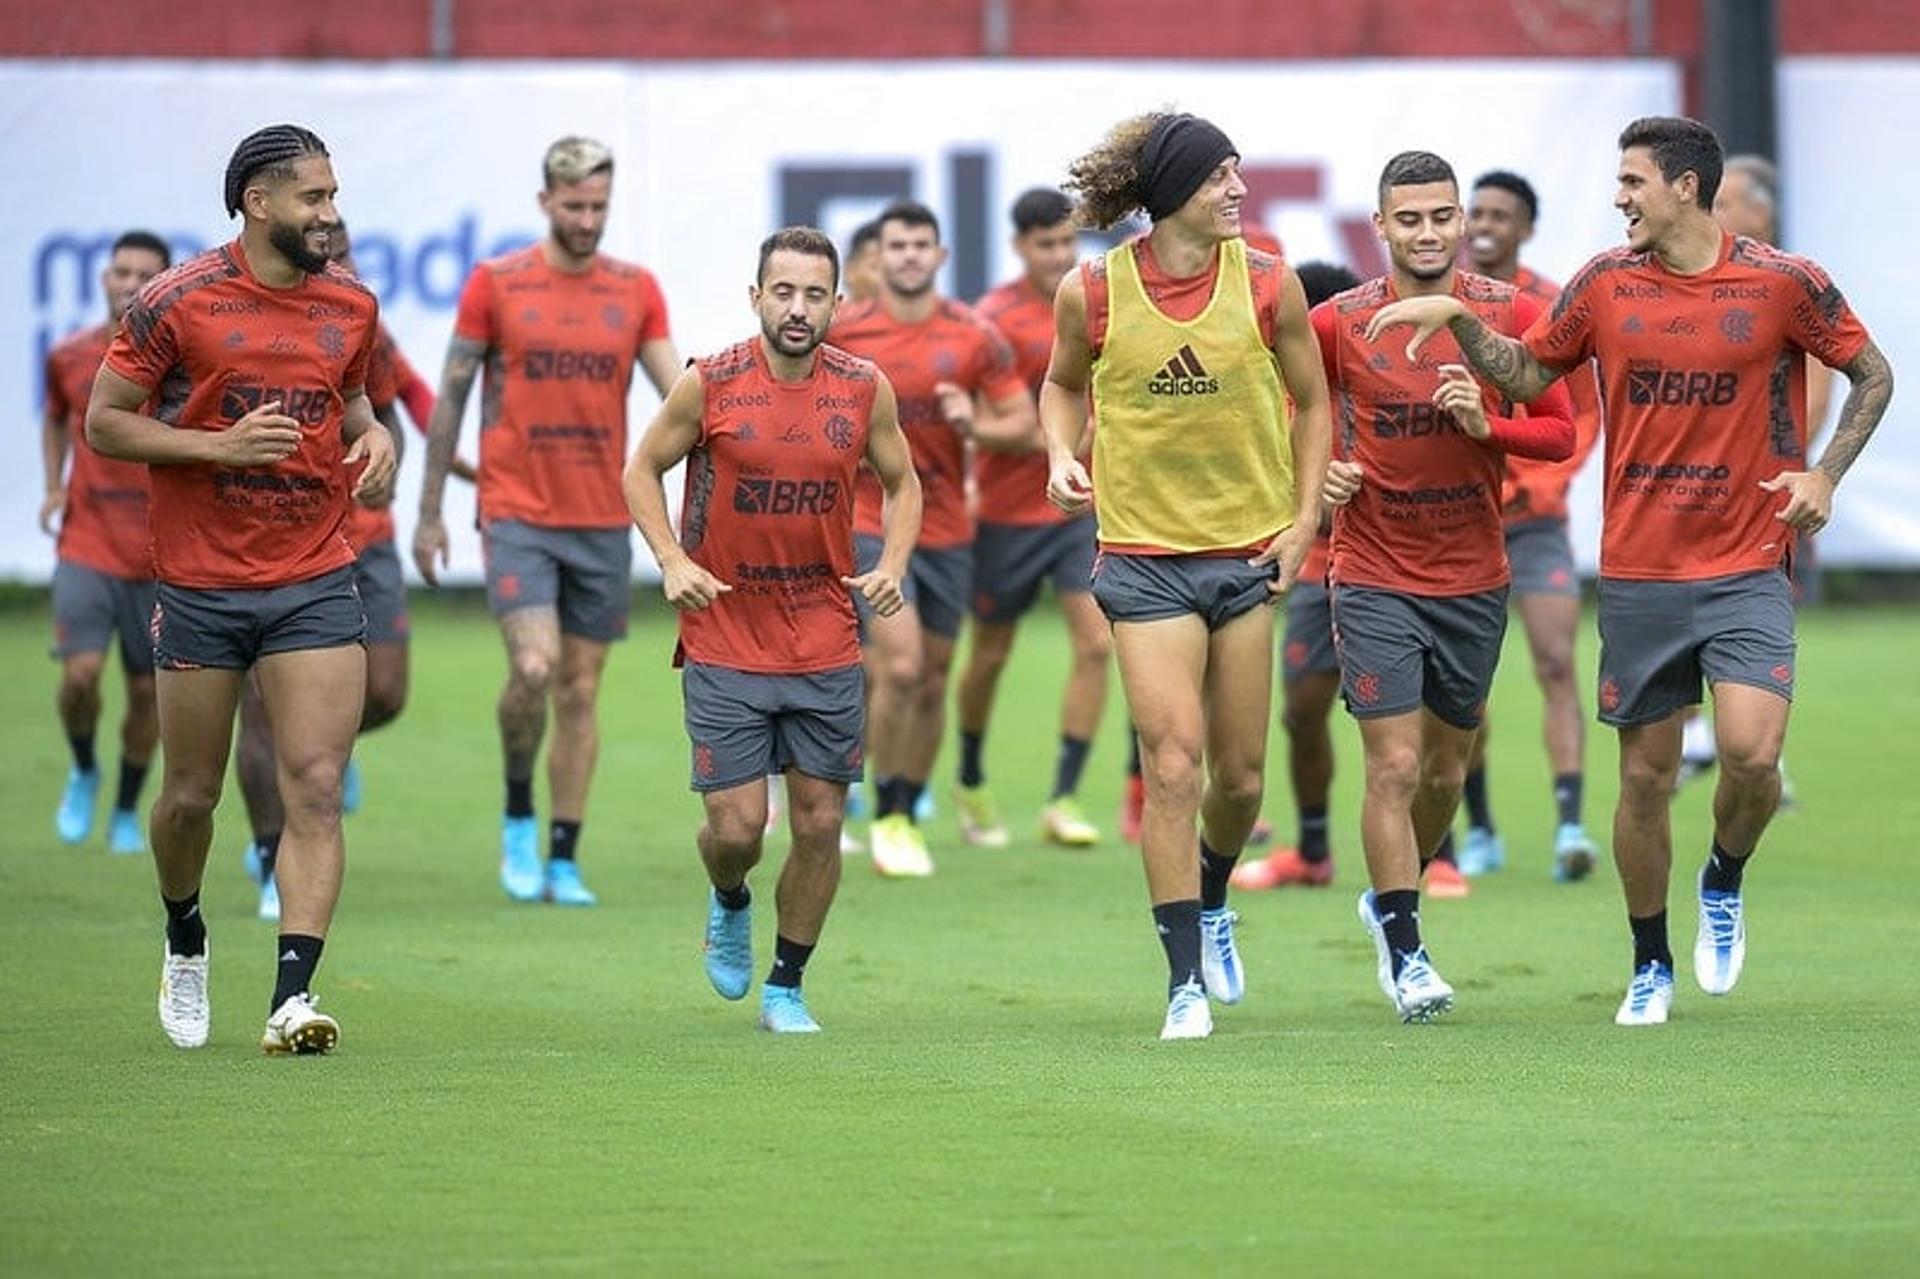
<point>272,151</point>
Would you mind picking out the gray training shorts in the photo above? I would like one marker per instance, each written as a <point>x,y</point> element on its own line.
<point>1152,588</point>
<point>1400,652</point>
<point>1659,640</point>
<point>91,609</point>
<point>232,629</point>
<point>383,593</point>
<point>584,573</point>
<point>1307,648</point>
<point>936,585</point>
<point>1540,555</point>
<point>743,725</point>
<point>1010,561</point>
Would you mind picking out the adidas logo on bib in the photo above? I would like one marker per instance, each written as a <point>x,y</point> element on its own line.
<point>1183,375</point>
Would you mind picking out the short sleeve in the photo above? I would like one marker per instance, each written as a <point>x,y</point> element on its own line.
<point>1820,322</point>
<point>1326,331</point>
<point>998,369</point>
<point>1563,336</point>
<point>354,376</point>
<point>146,346</point>
<point>56,390</point>
<point>653,310</point>
<point>474,318</point>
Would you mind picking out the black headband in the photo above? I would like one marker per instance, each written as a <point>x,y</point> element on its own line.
<point>1180,154</point>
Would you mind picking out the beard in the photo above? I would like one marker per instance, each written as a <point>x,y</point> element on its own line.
<point>778,339</point>
<point>292,245</point>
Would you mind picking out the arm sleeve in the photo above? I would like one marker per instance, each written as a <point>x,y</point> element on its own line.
<point>474,320</point>
<point>1820,321</point>
<point>354,376</point>
<point>1545,430</point>
<point>414,391</point>
<point>56,391</point>
<point>146,346</point>
<point>998,371</point>
<point>1563,336</point>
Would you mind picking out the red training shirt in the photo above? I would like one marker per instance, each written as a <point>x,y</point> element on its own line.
<point>104,524</point>
<point>1013,486</point>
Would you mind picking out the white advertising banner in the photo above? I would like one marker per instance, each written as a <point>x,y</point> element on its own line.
<point>438,169</point>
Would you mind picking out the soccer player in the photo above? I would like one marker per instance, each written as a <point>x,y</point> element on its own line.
<point>1206,485</point>
<point>1700,339</point>
<point>773,430</point>
<point>103,564</point>
<point>1500,219</point>
<point>1023,540</point>
<point>383,594</point>
<point>956,380</point>
<point>558,327</point>
<point>863,263</point>
<point>1309,682</point>
<point>1419,568</point>
<point>250,361</point>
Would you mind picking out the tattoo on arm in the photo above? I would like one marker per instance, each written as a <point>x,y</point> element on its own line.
<point>1503,361</point>
<point>1872,379</point>
<point>464,358</point>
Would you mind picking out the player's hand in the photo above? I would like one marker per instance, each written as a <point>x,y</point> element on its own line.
<point>430,547</point>
<point>687,586</point>
<point>956,406</point>
<point>1809,498</point>
<point>1427,316</point>
<point>51,505</point>
<point>1459,395</point>
<point>1342,483</point>
<point>1068,486</point>
<point>880,589</point>
<point>261,438</point>
<point>1288,550</point>
<point>374,447</point>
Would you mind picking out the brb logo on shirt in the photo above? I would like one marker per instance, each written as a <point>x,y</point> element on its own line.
<point>1677,388</point>
<point>769,495</point>
<point>1412,421</point>
<point>567,366</point>
<point>1183,375</point>
<point>305,405</point>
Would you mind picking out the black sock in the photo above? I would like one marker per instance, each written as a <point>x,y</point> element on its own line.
<point>789,962</point>
<point>971,774</point>
<point>1479,813</point>
<point>563,841</point>
<point>1179,926</point>
<point>1723,871</point>
<point>1066,771</point>
<point>910,793</point>
<point>735,898</point>
<point>1650,941</point>
<point>520,798</point>
<point>886,796</point>
<point>1399,916</point>
<point>269,846</point>
<point>1566,797</point>
<point>1214,870</point>
<point>1313,835</point>
<point>299,956</point>
<point>132,778</point>
<point>186,930</point>
<point>83,752</point>
<point>1133,752</point>
<point>1444,853</point>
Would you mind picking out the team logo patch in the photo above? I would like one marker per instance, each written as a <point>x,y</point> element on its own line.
<point>1296,653</point>
<point>614,317</point>
<point>1609,695</point>
<point>839,431</point>
<point>1366,689</point>
<point>1736,326</point>
<point>1183,375</point>
<point>1783,673</point>
<point>508,586</point>
<point>1380,362</point>
<point>333,340</point>
<point>945,363</point>
<point>236,339</point>
<point>1633,324</point>
<point>855,756</point>
<point>703,760</point>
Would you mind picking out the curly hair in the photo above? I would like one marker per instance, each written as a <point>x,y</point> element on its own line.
<point>1107,178</point>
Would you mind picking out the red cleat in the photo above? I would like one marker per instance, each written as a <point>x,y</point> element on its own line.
<point>1131,809</point>
<point>1283,869</point>
<point>1445,880</point>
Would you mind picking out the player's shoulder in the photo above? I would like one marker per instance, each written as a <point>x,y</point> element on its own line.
<point>83,346</point>
<point>1003,298</point>
<point>1484,289</point>
<point>729,365</point>
<point>1368,295</point>
<point>514,262</point>
<point>624,273</point>
<point>1617,261</point>
<point>1261,262</point>
<point>1749,254</point>
<point>859,317</point>
<point>161,301</point>
<point>336,278</point>
<point>847,366</point>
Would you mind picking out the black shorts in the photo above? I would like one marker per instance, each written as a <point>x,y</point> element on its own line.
<point>1400,652</point>
<point>936,583</point>
<point>383,593</point>
<point>1540,557</point>
<point>1010,561</point>
<point>586,574</point>
<point>1152,588</point>
<point>1307,648</point>
<point>92,609</point>
<point>1660,640</point>
<point>232,629</point>
<point>743,725</point>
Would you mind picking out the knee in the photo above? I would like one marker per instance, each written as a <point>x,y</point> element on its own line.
<point>531,671</point>
<point>1647,780</point>
<point>933,687</point>
<point>816,822</point>
<point>1092,649</point>
<point>1443,776</point>
<point>1393,773</point>
<point>311,786</point>
<point>190,797</point>
<point>901,673</point>
<point>1171,771</point>
<point>1239,786</point>
<point>1553,666</point>
<point>80,674</point>
<point>1750,764</point>
<point>735,836</point>
<point>576,696</point>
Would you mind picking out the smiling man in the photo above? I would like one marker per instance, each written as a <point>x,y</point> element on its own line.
<point>1699,336</point>
<point>239,378</point>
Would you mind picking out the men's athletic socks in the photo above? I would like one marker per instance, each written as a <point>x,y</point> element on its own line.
<point>520,797</point>
<point>1479,811</point>
<point>1069,765</point>
<point>789,962</point>
<point>186,929</point>
<point>299,956</point>
<point>1724,870</point>
<point>563,840</point>
<point>1314,844</point>
<point>1566,797</point>
<point>1215,870</point>
<point>1178,924</point>
<point>1650,941</point>
<point>1399,914</point>
<point>971,745</point>
<point>82,747</point>
<point>132,778</point>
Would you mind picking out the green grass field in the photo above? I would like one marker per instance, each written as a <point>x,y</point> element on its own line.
<point>520,1089</point>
